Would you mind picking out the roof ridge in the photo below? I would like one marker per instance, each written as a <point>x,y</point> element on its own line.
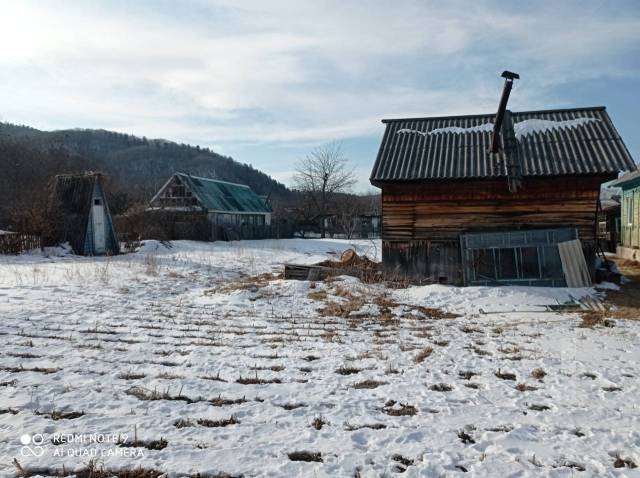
<point>483,115</point>
<point>213,180</point>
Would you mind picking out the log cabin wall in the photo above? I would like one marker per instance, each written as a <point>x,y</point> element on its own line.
<point>422,221</point>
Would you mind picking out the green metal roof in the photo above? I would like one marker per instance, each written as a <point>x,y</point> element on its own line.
<point>223,196</point>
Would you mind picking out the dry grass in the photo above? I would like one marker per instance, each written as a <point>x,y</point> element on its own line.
<point>505,375</point>
<point>44,370</point>
<point>467,374</point>
<point>256,380</point>
<point>319,295</point>
<point>145,394</point>
<point>595,318</point>
<point>402,410</point>
<point>318,422</point>
<point>368,384</point>
<point>423,354</point>
<point>223,402</point>
<point>247,283</point>
<point>441,387</point>
<point>372,426</point>
<point>225,422</point>
<point>131,376</point>
<point>92,470</point>
<point>343,309</point>
<point>523,387</point>
<point>345,370</point>
<point>160,444</point>
<point>60,415</point>
<point>538,373</point>
<point>305,456</point>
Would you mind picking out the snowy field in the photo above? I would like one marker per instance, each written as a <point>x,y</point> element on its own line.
<point>195,359</point>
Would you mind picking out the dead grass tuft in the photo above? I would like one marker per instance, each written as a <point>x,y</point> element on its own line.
<point>368,384</point>
<point>465,437</point>
<point>538,373</point>
<point>467,374</point>
<point>44,370</point>
<point>223,402</point>
<point>305,456</point>
<point>372,426</point>
<point>256,380</point>
<point>160,444</point>
<point>318,422</point>
<point>344,370</point>
<point>505,375</point>
<point>596,318</point>
<point>60,415</point>
<point>343,309</point>
<point>225,422</point>
<point>131,376</point>
<point>319,295</point>
<point>423,354</point>
<point>402,410</point>
<point>184,423</point>
<point>612,389</point>
<point>624,462</point>
<point>441,387</point>
<point>523,387</point>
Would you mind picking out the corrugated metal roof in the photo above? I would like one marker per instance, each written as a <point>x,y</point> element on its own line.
<point>549,143</point>
<point>224,196</point>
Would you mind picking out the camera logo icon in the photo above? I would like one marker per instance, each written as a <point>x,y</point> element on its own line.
<point>32,445</point>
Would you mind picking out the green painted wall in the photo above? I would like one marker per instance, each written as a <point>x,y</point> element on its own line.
<point>631,223</point>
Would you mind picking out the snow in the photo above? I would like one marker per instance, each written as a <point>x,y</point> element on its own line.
<point>522,128</point>
<point>530,126</point>
<point>449,129</point>
<point>185,313</point>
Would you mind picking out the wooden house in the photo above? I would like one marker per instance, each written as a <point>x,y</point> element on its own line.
<point>454,211</point>
<point>228,206</point>
<point>81,215</point>
<point>629,246</point>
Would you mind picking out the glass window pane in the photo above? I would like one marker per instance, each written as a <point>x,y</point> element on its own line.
<point>484,264</point>
<point>529,262</point>
<point>507,264</point>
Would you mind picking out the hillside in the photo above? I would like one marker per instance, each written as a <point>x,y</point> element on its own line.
<point>136,166</point>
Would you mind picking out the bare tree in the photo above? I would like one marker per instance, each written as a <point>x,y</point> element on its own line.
<point>321,174</point>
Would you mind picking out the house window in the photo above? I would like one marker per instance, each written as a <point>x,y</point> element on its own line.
<point>629,209</point>
<point>514,257</point>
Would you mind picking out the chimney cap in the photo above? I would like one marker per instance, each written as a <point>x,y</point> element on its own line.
<point>510,75</point>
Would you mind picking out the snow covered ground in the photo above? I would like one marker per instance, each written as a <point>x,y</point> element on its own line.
<point>201,362</point>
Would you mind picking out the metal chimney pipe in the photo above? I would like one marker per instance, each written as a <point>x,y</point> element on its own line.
<point>497,126</point>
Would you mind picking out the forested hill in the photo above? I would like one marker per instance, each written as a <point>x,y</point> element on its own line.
<point>136,166</point>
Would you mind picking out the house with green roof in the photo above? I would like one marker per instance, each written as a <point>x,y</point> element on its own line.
<point>629,247</point>
<point>228,205</point>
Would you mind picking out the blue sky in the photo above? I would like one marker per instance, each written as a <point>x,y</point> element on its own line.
<point>265,82</point>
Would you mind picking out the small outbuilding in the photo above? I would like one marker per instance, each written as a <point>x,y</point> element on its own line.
<point>629,246</point>
<point>81,215</point>
<point>485,199</point>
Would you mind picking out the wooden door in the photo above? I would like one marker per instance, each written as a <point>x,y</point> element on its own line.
<point>99,226</point>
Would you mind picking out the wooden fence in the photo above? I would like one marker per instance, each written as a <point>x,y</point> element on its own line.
<point>236,233</point>
<point>16,243</point>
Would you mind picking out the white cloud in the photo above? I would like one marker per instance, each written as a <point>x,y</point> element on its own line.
<point>279,72</point>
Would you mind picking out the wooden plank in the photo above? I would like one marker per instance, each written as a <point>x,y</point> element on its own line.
<point>574,265</point>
